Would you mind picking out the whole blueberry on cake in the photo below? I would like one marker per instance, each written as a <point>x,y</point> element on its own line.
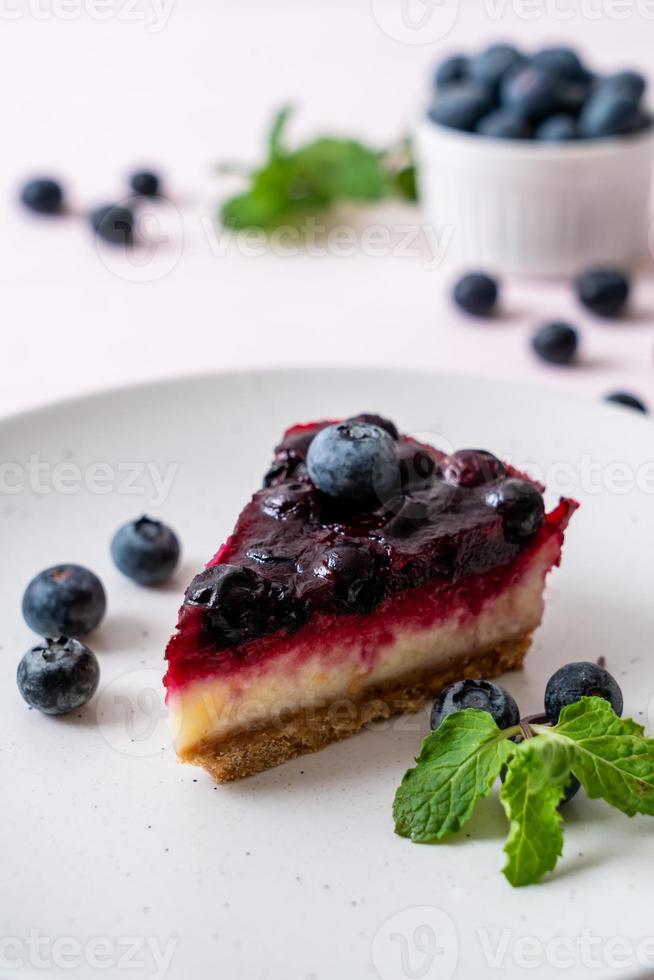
<point>368,573</point>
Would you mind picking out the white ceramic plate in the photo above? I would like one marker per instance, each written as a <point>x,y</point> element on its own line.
<point>114,856</point>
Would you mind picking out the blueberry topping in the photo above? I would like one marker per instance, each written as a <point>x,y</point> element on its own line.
<point>417,467</point>
<point>371,419</point>
<point>353,461</point>
<point>461,106</point>
<point>290,498</point>
<point>453,69</point>
<point>629,401</point>
<point>483,695</point>
<point>357,574</point>
<point>113,223</point>
<point>628,85</point>
<point>145,183</point>
<point>603,291</point>
<point>531,91</point>
<point>578,680</point>
<point>235,601</point>
<point>492,65</point>
<point>521,507</point>
<point>472,467</point>
<point>564,63</point>
<point>608,114</point>
<point>65,600</point>
<point>555,342</point>
<point>58,676</point>
<point>504,124</point>
<point>266,555</point>
<point>43,195</point>
<point>145,550</point>
<point>557,129</point>
<point>476,293</point>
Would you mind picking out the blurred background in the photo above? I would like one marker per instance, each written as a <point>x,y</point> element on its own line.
<point>95,89</point>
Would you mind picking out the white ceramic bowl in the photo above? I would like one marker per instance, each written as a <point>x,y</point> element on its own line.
<point>533,208</point>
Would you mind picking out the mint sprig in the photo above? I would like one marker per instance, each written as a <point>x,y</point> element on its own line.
<point>459,763</point>
<point>294,184</point>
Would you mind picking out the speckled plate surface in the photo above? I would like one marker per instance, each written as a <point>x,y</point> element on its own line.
<point>117,861</point>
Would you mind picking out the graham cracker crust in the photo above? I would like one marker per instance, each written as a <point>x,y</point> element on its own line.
<point>313,728</point>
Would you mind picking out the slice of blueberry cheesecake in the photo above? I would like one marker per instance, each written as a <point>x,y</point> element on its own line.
<point>369,572</point>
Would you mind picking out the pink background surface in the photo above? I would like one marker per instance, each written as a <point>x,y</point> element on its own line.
<point>88,99</point>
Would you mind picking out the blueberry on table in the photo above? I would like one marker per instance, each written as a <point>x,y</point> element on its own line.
<point>461,106</point>
<point>556,342</point>
<point>43,195</point>
<point>562,62</point>
<point>476,293</point>
<point>521,507</point>
<point>483,695</point>
<point>354,461</point>
<point>58,676</point>
<point>627,400</point>
<point>531,91</point>
<point>609,114</point>
<point>472,467</point>
<point>113,223</point>
<point>145,183</point>
<point>557,129</point>
<point>603,291</point>
<point>453,69</point>
<point>491,66</point>
<point>65,600</point>
<point>145,550</point>
<point>577,680</point>
<point>503,124</point>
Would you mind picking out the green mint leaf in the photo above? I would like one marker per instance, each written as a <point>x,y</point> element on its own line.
<point>341,170</point>
<point>609,755</point>
<point>457,766</point>
<point>535,784</point>
<point>275,148</point>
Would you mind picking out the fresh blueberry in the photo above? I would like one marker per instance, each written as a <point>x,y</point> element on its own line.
<point>580,680</point>
<point>65,600</point>
<point>483,695</point>
<point>608,114</point>
<point>353,461</point>
<point>629,401</point>
<point>461,106</point>
<point>43,195</point>
<point>287,499</point>
<point>572,97</point>
<point>555,342</point>
<point>472,467</point>
<point>58,676</point>
<point>379,420</point>
<point>557,129</point>
<point>562,62</point>
<point>503,124</point>
<point>476,293</point>
<point>625,84</point>
<point>531,92</point>
<point>521,507</point>
<point>491,66</point>
<point>114,223</point>
<point>145,550</point>
<point>603,291</point>
<point>356,571</point>
<point>145,183</point>
<point>235,602</point>
<point>453,69</point>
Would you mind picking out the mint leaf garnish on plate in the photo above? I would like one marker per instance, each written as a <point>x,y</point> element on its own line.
<point>457,766</point>
<point>460,761</point>
<point>534,787</point>
<point>294,184</point>
<point>610,756</point>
